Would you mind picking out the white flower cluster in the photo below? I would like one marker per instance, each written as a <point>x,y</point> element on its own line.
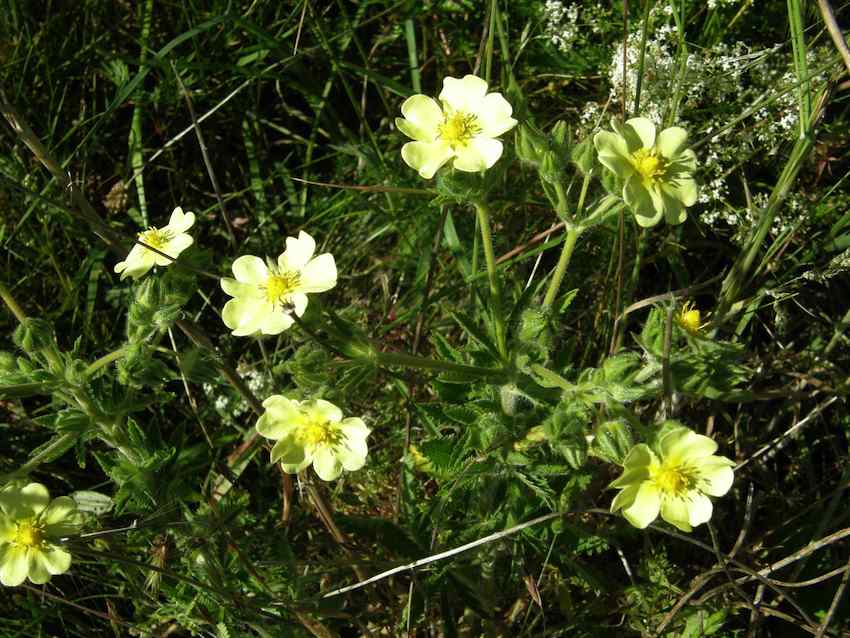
<point>560,24</point>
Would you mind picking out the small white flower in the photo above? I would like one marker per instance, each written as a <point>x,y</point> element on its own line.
<point>171,240</point>
<point>266,295</point>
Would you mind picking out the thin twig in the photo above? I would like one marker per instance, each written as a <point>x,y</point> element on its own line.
<point>442,555</point>
<point>206,157</point>
<point>835,31</point>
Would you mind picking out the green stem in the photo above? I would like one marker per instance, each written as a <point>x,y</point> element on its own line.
<point>9,300</point>
<point>566,253</point>
<point>423,363</point>
<point>62,443</point>
<point>105,360</point>
<point>495,293</point>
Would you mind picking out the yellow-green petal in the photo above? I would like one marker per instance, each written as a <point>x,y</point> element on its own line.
<point>645,130</point>
<point>13,564</point>
<point>289,451</point>
<point>644,509</point>
<point>494,115</point>
<point>675,511</point>
<point>326,464</point>
<point>249,269</point>
<point>319,274</point>
<point>479,154</point>
<point>671,141</point>
<point>426,157</point>
<point>463,94</point>
<point>422,117</point>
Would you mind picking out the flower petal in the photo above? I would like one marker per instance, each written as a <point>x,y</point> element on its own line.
<point>60,517</point>
<point>671,140</point>
<point>30,500</point>
<point>245,315</point>
<point>625,498</point>
<point>675,511</point>
<point>326,464</point>
<point>354,427</point>
<point>494,115</point>
<point>276,424</point>
<point>426,157</point>
<point>325,411</point>
<point>463,94</point>
<point>684,189</point>
<point>180,222</point>
<point>36,567</point>
<point>716,475</point>
<point>352,454</point>
<point>289,451</point>
<point>298,252</point>
<point>631,476</point>
<point>674,210</point>
<point>249,269</point>
<point>138,262</point>
<point>613,152</point>
<point>319,274</point>
<point>173,249</point>
<point>699,508</point>
<point>422,117</point>
<point>276,322</point>
<point>640,201</point>
<point>682,446</point>
<point>639,456</point>
<point>479,154</point>
<point>645,507</point>
<point>238,289</point>
<point>13,564</point>
<point>645,130</point>
<point>8,529</point>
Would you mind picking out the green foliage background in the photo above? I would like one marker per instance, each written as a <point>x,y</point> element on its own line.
<point>296,104</point>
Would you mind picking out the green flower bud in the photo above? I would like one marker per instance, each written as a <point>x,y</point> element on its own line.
<point>530,144</point>
<point>560,133</point>
<point>8,362</point>
<point>584,155</point>
<point>33,335</point>
<point>514,401</point>
<point>551,167</point>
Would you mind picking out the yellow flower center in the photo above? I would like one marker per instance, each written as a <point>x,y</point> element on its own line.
<point>688,318</point>
<point>675,480</point>
<point>458,128</point>
<point>155,237</point>
<point>279,286</point>
<point>28,534</point>
<point>318,432</point>
<point>648,163</point>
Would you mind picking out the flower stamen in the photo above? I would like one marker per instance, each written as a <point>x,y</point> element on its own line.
<point>649,164</point>
<point>156,237</point>
<point>28,534</point>
<point>280,285</point>
<point>458,128</point>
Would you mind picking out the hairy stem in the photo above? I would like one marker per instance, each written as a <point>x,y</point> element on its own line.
<point>495,292</point>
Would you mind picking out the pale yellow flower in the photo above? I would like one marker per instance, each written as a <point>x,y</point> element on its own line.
<point>675,482</point>
<point>656,169</point>
<point>313,432</point>
<point>463,126</point>
<point>171,240</point>
<point>30,528</point>
<point>266,295</point>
